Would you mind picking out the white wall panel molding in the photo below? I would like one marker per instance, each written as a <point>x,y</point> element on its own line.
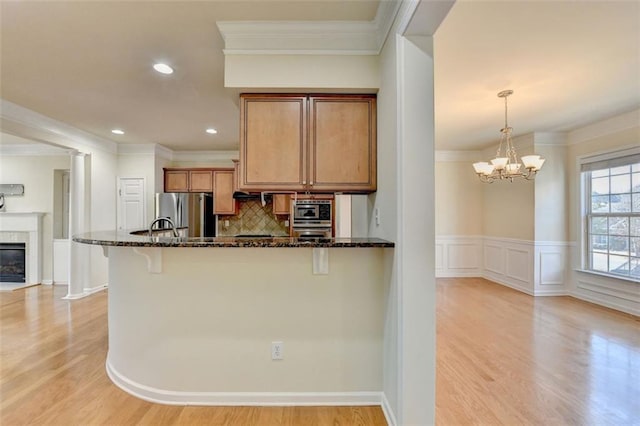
<point>509,262</point>
<point>458,256</point>
<point>618,294</point>
<point>551,265</point>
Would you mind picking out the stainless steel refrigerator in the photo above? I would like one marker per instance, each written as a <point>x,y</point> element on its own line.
<point>191,212</point>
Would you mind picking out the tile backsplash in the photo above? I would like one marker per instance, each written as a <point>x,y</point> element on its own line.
<point>253,218</point>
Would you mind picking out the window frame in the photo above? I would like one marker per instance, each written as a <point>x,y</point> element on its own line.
<point>586,251</point>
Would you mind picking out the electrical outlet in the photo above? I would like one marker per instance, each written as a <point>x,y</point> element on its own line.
<point>277,349</point>
<point>226,223</point>
<point>286,223</point>
<point>377,216</point>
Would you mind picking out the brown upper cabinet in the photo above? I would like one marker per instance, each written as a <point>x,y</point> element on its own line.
<point>223,187</point>
<point>176,180</point>
<point>188,180</point>
<point>200,180</point>
<point>316,143</point>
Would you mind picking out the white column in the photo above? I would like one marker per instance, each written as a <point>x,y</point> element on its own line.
<point>78,253</point>
<point>416,233</point>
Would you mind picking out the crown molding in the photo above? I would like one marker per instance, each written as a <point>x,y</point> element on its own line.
<point>136,149</point>
<point>309,37</point>
<point>163,152</point>
<point>33,150</point>
<point>205,155</point>
<point>35,126</point>
<point>618,123</point>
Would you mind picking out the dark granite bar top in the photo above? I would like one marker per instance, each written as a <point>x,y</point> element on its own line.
<point>126,239</point>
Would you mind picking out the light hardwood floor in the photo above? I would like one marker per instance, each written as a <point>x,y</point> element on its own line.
<point>52,371</point>
<point>503,357</point>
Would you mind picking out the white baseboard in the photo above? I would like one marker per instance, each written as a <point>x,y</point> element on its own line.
<point>162,396</point>
<point>496,278</point>
<point>86,292</point>
<point>387,411</point>
<point>606,304</point>
<point>47,282</point>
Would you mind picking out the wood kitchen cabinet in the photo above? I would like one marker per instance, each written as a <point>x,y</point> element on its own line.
<point>176,180</point>
<point>342,141</point>
<point>188,180</point>
<point>281,204</point>
<point>200,180</point>
<point>223,187</point>
<point>319,143</point>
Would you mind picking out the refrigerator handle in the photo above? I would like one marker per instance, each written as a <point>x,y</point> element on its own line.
<point>202,208</point>
<point>178,210</point>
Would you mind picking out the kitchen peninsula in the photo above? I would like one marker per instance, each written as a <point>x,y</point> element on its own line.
<point>196,320</point>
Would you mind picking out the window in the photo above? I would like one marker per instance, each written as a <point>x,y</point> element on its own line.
<point>612,210</point>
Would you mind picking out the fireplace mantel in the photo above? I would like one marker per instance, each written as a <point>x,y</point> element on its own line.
<point>13,227</point>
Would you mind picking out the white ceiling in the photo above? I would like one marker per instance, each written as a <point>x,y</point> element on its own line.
<point>88,64</point>
<point>569,63</point>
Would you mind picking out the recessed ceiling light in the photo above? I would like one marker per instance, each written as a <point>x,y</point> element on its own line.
<point>117,132</point>
<point>211,131</point>
<point>163,68</point>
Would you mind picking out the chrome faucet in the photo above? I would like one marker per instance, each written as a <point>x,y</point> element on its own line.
<point>160,219</point>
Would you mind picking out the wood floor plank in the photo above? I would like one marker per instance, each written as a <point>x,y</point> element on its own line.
<point>503,357</point>
<point>52,372</point>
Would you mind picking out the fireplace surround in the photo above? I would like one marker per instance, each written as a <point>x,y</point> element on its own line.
<point>26,228</point>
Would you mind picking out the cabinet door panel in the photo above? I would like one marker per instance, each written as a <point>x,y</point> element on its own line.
<point>224,203</point>
<point>200,181</point>
<point>176,181</point>
<point>272,142</point>
<point>343,143</point>
<point>281,204</point>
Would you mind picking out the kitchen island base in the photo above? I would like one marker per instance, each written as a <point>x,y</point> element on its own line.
<point>200,331</point>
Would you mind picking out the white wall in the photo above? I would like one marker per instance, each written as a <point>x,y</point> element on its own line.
<point>459,191</point>
<point>385,199</point>
<point>140,166</point>
<point>616,133</point>
<point>215,330</point>
<point>102,209</point>
<point>296,71</point>
<point>551,194</point>
<point>36,174</point>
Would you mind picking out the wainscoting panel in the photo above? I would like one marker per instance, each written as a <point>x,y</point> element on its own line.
<point>458,256</point>
<point>551,268</point>
<point>509,262</point>
<point>543,268</point>
<point>493,258</point>
<point>518,265</point>
<point>613,293</point>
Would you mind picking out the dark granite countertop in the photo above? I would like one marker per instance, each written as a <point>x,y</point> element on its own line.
<point>126,239</point>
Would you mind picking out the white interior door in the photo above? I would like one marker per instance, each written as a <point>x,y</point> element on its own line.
<point>130,205</point>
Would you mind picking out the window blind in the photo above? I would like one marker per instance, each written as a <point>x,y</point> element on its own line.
<point>607,163</point>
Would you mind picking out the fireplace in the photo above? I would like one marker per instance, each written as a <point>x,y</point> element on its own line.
<point>25,228</point>
<point>12,263</point>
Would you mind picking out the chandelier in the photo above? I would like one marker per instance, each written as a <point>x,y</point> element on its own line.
<point>506,166</point>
